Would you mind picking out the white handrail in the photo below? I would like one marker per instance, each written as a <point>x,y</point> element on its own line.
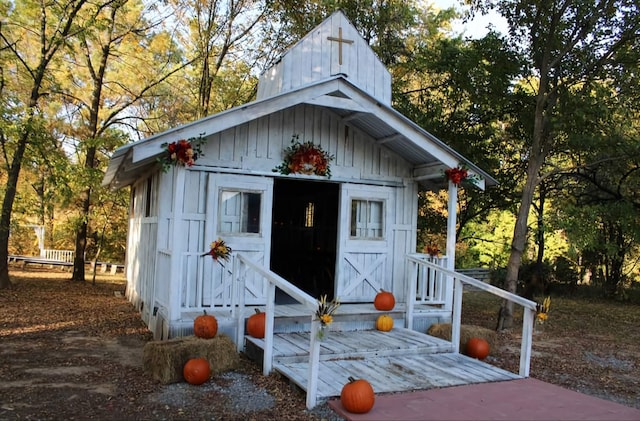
<point>274,280</point>
<point>458,280</point>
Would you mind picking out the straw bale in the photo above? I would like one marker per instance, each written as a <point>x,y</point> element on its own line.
<point>443,331</point>
<point>164,360</point>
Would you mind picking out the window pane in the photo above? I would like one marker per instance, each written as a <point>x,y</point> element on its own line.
<point>239,212</point>
<point>367,219</point>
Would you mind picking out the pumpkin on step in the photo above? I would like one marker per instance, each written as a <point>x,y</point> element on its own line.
<point>477,348</point>
<point>384,323</point>
<point>384,301</point>
<point>357,396</point>
<point>205,326</point>
<point>196,371</point>
<point>256,324</point>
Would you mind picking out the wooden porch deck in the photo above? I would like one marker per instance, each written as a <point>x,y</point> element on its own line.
<point>395,361</point>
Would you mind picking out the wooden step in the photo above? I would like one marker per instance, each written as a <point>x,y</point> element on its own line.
<point>294,347</point>
<point>396,373</point>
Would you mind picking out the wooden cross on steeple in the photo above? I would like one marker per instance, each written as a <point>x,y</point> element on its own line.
<point>340,41</point>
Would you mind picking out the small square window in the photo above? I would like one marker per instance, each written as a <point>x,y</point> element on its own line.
<point>239,212</point>
<point>367,219</point>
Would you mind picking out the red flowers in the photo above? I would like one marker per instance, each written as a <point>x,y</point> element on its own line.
<point>432,250</point>
<point>305,158</point>
<point>456,175</point>
<point>182,152</point>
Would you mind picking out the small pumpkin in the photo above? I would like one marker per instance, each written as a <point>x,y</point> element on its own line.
<point>196,371</point>
<point>384,301</point>
<point>256,324</point>
<point>384,323</point>
<point>477,348</point>
<point>205,326</point>
<point>357,396</point>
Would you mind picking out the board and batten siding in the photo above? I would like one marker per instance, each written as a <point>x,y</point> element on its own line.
<point>257,146</point>
<point>315,57</point>
<point>141,245</point>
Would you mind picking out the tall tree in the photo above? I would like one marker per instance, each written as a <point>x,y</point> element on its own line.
<point>118,42</point>
<point>54,25</point>
<point>567,42</point>
<point>218,35</point>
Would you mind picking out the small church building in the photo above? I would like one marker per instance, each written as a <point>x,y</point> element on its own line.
<point>316,181</point>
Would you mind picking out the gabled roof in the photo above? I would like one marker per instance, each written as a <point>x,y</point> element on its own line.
<point>428,155</point>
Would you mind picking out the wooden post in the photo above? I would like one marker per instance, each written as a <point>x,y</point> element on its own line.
<point>527,339</point>
<point>267,362</point>
<point>314,364</point>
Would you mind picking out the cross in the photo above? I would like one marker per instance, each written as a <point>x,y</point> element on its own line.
<point>340,41</point>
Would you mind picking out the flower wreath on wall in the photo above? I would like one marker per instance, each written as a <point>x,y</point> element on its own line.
<point>305,158</point>
<point>460,174</point>
<point>183,152</point>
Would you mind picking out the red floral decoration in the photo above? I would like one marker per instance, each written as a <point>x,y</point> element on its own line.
<point>460,174</point>
<point>182,152</point>
<point>432,250</point>
<point>219,250</point>
<point>305,158</point>
<point>456,175</point>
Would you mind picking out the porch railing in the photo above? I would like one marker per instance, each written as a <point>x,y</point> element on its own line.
<point>424,270</point>
<point>243,264</point>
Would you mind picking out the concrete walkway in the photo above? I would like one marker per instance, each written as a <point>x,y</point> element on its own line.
<point>522,399</point>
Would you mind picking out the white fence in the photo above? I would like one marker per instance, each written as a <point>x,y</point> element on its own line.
<point>58,255</point>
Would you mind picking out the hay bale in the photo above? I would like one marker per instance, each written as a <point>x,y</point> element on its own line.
<point>443,331</point>
<point>164,360</point>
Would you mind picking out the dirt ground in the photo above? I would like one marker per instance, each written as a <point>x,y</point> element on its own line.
<point>74,351</point>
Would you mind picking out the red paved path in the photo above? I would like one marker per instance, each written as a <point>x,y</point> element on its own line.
<point>525,399</point>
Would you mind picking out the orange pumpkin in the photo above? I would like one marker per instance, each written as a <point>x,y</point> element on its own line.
<point>477,348</point>
<point>384,323</point>
<point>256,324</point>
<point>357,396</point>
<point>205,326</point>
<point>384,301</point>
<point>196,371</point>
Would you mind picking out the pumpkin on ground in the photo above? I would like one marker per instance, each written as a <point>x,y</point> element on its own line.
<point>256,324</point>
<point>384,301</point>
<point>196,371</point>
<point>357,396</point>
<point>384,323</point>
<point>477,348</point>
<point>205,326</point>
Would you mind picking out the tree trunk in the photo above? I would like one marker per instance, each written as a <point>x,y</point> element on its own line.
<point>519,241</point>
<point>7,206</point>
<point>81,238</point>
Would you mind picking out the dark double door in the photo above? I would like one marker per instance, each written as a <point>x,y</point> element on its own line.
<point>304,234</point>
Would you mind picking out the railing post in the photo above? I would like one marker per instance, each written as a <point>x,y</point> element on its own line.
<point>267,362</point>
<point>411,294</point>
<point>528,317</point>
<point>238,300</point>
<point>456,317</point>
<point>314,364</point>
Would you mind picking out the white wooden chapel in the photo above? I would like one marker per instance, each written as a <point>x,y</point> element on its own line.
<point>346,235</point>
